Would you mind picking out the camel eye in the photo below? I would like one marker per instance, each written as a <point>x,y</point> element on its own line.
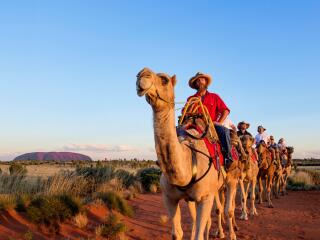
<point>164,80</point>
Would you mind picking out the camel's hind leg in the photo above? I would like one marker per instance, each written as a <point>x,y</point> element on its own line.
<point>175,217</point>
<point>260,190</point>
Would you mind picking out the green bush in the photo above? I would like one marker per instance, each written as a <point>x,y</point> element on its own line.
<point>50,210</point>
<point>98,174</point>
<point>17,169</point>
<point>112,228</point>
<point>148,177</point>
<point>115,202</point>
<point>127,178</point>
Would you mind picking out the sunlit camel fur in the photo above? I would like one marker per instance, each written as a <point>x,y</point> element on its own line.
<point>287,169</point>
<point>175,158</point>
<point>266,172</point>
<point>249,174</point>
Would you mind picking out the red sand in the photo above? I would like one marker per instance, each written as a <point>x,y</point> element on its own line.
<point>295,216</point>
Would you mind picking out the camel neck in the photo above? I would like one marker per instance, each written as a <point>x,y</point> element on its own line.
<point>173,160</point>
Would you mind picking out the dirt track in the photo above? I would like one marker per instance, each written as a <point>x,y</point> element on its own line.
<point>295,216</point>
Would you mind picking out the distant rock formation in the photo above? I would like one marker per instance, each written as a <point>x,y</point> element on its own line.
<point>53,156</point>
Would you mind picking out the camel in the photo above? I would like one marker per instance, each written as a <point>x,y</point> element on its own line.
<point>249,173</point>
<point>287,169</point>
<point>176,159</point>
<point>278,174</point>
<point>266,171</point>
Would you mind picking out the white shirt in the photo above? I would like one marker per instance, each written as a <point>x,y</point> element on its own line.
<point>263,136</point>
<point>228,123</point>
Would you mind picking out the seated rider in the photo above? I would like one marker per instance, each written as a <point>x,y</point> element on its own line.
<point>217,109</point>
<point>242,129</point>
<point>283,150</point>
<point>273,146</point>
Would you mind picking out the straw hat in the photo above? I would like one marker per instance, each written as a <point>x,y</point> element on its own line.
<point>243,122</point>
<point>192,80</point>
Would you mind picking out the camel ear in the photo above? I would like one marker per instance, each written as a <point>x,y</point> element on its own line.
<point>173,80</point>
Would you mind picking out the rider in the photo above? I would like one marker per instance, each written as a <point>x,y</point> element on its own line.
<point>242,129</point>
<point>262,135</point>
<point>217,109</point>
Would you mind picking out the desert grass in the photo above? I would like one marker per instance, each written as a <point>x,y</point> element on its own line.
<point>81,220</point>
<point>304,180</point>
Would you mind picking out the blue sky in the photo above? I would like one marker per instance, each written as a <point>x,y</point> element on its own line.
<point>68,70</point>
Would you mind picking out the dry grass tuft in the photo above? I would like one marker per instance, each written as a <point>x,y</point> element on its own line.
<point>81,220</point>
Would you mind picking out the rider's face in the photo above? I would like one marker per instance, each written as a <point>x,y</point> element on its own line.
<point>201,83</point>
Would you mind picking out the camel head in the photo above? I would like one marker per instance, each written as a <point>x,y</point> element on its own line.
<point>262,150</point>
<point>158,88</point>
<point>290,151</point>
<point>247,142</point>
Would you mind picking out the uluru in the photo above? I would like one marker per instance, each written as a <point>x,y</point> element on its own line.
<point>53,156</point>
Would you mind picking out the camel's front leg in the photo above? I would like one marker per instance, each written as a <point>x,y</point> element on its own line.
<point>253,210</point>
<point>260,189</point>
<point>231,191</point>
<point>244,215</point>
<point>204,208</point>
<point>219,210</point>
<point>268,187</point>
<point>175,217</point>
<point>193,213</point>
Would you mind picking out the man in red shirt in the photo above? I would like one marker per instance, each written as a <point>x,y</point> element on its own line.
<point>218,111</point>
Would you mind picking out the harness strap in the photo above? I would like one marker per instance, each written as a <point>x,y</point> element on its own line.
<point>194,168</point>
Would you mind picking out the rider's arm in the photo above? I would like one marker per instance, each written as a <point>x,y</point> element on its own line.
<point>224,115</point>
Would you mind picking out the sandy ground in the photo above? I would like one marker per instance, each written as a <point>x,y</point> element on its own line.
<point>295,216</point>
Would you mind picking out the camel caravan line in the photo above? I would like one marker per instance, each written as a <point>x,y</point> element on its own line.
<point>193,167</point>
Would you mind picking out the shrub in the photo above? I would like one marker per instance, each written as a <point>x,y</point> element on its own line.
<point>149,176</point>
<point>50,210</point>
<point>115,202</point>
<point>98,174</point>
<point>28,235</point>
<point>112,228</point>
<point>7,201</point>
<point>301,180</point>
<point>17,169</point>
<point>127,178</point>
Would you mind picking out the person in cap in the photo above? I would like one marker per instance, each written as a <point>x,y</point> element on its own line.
<point>262,136</point>
<point>242,129</point>
<point>273,146</point>
<point>217,109</point>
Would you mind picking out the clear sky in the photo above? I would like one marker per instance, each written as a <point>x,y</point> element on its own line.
<point>67,70</point>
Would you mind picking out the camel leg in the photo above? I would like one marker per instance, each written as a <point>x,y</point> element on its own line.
<point>193,213</point>
<point>234,222</point>
<point>244,215</point>
<point>269,186</point>
<point>207,229</point>
<point>231,191</point>
<point>204,208</point>
<point>253,210</point>
<point>223,203</point>
<point>219,209</point>
<point>260,190</point>
<point>175,217</point>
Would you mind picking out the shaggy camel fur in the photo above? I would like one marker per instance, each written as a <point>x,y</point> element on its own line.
<point>249,173</point>
<point>266,172</point>
<point>175,158</point>
<point>287,169</point>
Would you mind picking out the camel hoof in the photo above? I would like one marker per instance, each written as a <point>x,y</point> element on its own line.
<point>270,206</point>
<point>219,234</point>
<point>236,228</point>
<point>233,237</point>
<point>244,217</point>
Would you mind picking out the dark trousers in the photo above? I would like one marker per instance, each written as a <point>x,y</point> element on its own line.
<point>224,136</point>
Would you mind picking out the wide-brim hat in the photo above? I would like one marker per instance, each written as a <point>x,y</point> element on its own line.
<point>192,80</point>
<point>243,122</point>
<point>262,128</point>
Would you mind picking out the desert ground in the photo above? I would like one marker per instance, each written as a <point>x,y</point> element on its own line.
<point>295,216</point>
